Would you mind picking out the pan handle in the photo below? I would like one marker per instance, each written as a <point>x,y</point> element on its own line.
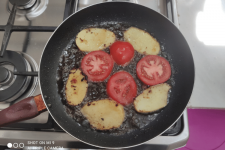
<point>23,110</point>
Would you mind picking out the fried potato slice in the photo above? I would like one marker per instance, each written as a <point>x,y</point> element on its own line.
<point>152,99</point>
<point>104,114</point>
<point>76,87</point>
<point>93,39</point>
<point>142,41</point>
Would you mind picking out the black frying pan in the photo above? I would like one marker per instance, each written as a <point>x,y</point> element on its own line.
<point>135,15</point>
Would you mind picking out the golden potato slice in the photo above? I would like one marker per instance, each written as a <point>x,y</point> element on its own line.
<point>142,41</point>
<point>76,87</point>
<point>104,114</point>
<point>93,39</point>
<point>152,99</point>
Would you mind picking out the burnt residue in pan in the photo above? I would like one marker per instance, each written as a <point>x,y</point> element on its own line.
<point>71,58</point>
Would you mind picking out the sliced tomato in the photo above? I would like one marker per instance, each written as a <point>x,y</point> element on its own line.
<point>122,52</point>
<point>153,69</point>
<point>97,65</point>
<point>122,88</point>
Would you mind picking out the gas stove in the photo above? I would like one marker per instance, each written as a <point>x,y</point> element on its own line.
<point>24,31</point>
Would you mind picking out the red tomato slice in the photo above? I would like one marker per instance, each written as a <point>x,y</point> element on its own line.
<point>122,52</point>
<point>153,69</point>
<point>122,88</point>
<point>97,65</point>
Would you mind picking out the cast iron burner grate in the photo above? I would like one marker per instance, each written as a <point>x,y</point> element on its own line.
<point>51,125</point>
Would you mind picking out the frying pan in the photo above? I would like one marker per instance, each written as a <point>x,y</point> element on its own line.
<point>135,15</point>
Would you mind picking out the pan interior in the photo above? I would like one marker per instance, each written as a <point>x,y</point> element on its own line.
<point>140,17</point>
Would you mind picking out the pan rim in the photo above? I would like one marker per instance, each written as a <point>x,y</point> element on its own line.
<point>45,49</point>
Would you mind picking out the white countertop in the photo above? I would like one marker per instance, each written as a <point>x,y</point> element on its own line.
<point>204,20</point>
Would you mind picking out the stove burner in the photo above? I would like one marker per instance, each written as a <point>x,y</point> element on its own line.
<point>17,85</point>
<point>4,74</point>
<point>28,9</point>
<point>34,80</point>
<point>23,4</point>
